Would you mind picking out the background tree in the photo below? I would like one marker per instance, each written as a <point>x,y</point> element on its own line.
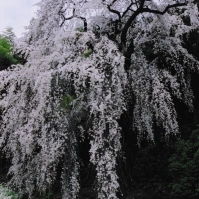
<point>9,34</point>
<point>184,168</point>
<point>6,57</point>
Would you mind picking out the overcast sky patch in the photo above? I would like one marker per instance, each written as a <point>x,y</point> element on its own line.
<point>16,14</point>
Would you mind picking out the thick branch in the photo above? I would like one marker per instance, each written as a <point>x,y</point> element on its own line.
<point>114,11</point>
<point>127,26</point>
<point>73,16</point>
<point>130,49</point>
<point>128,54</point>
<point>165,10</point>
<point>140,10</point>
<point>128,8</point>
<point>85,22</point>
<point>64,18</point>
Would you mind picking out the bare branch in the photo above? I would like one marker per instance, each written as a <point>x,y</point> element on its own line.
<point>128,8</point>
<point>64,18</point>
<point>74,16</point>
<point>114,11</point>
<point>165,10</point>
<point>128,24</point>
<point>140,10</point>
<point>85,22</point>
<point>128,50</point>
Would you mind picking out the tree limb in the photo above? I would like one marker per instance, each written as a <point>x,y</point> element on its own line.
<point>140,10</point>
<point>128,8</point>
<point>73,16</point>
<point>85,22</point>
<point>114,11</point>
<point>165,10</point>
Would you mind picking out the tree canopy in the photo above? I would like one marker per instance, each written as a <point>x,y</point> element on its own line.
<point>6,49</point>
<point>90,66</point>
<point>8,56</point>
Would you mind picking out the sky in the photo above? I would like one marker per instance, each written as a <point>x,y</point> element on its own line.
<point>16,14</point>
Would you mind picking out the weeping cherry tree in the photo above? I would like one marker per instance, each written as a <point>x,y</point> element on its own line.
<point>87,60</point>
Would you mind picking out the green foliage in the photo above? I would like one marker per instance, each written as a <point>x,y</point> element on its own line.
<point>80,29</point>
<point>5,45</point>
<point>12,194</point>
<point>66,102</point>
<point>184,168</point>
<point>6,57</point>
<point>88,53</point>
<point>78,35</point>
<point>49,195</point>
<point>45,195</point>
<point>7,194</point>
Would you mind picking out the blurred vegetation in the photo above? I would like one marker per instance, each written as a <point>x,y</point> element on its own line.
<point>66,102</point>
<point>88,53</point>
<point>184,168</point>
<point>7,194</point>
<point>6,56</point>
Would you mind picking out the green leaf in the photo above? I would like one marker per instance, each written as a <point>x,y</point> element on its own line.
<point>88,53</point>
<point>66,102</point>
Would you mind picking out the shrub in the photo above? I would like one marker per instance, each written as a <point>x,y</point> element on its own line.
<point>7,194</point>
<point>184,167</point>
